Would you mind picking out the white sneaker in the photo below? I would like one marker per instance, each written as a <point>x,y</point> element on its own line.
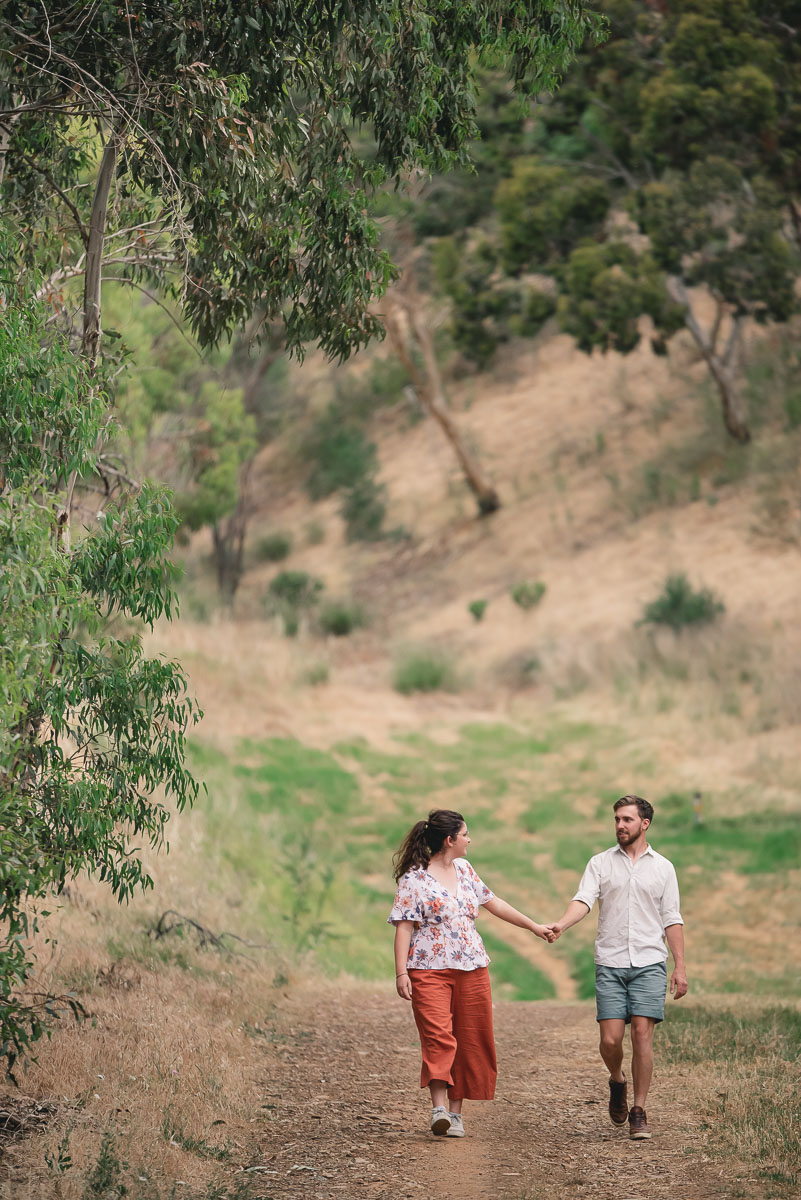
<point>440,1121</point>
<point>457,1125</point>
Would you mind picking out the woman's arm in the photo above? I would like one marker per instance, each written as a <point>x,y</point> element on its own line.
<point>499,908</point>
<point>403,938</point>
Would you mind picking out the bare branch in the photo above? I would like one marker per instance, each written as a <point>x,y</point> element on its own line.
<point>132,283</point>
<point>59,191</point>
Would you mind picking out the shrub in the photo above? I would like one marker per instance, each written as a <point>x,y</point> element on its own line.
<point>340,618</point>
<point>519,670</point>
<point>792,408</point>
<point>315,533</point>
<point>477,608</point>
<point>297,589</point>
<point>291,593</point>
<point>340,452</point>
<point>316,674</point>
<point>363,510</point>
<point>679,605</point>
<point>275,547</point>
<point>528,594</point>
<point>425,670</point>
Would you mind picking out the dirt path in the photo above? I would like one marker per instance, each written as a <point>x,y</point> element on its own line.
<point>344,1115</point>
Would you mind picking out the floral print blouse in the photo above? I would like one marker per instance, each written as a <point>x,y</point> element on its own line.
<point>445,935</point>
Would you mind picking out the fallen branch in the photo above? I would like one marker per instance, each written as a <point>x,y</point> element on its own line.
<point>170,921</point>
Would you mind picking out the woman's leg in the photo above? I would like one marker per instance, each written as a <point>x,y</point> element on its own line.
<point>475,1068</point>
<point>432,993</point>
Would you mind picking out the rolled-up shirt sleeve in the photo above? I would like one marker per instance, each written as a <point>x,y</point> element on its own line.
<point>669,904</point>
<point>590,887</point>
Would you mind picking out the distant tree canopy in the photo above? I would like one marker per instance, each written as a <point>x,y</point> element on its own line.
<point>669,159</point>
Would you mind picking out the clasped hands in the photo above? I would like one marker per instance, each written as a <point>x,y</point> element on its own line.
<point>549,933</point>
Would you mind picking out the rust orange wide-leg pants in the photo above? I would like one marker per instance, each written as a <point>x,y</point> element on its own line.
<point>453,1013</point>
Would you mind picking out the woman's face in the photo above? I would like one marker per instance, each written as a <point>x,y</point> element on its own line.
<point>461,842</point>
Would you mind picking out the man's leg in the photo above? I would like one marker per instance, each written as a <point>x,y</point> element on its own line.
<point>642,1057</point>
<point>611,1046</point>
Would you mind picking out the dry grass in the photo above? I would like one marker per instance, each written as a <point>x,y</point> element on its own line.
<point>162,1060</point>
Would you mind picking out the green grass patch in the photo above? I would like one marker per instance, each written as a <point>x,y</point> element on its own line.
<point>291,775</point>
<point>309,835</point>
<point>582,971</point>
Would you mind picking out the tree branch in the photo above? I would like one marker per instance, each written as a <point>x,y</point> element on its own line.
<point>46,175</point>
<point>147,292</point>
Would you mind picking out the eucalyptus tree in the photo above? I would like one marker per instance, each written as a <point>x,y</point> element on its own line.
<point>90,728</point>
<point>224,151</point>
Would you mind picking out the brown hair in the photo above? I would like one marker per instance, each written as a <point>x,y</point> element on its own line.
<point>645,809</point>
<point>424,839</point>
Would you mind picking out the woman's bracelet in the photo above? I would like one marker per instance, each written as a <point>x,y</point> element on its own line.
<point>401,973</point>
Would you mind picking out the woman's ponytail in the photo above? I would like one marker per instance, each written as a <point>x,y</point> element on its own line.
<point>424,839</point>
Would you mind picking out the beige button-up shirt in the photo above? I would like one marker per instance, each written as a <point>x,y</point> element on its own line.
<point>637,901</point>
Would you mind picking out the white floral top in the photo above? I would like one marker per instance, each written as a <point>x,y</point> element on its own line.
<point>445,935</point>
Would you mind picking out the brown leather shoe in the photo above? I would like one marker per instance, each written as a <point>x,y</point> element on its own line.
<point>618,1104</point>
<point>638,1125</point>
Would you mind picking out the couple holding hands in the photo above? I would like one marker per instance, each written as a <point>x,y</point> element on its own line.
<point>441,963</point>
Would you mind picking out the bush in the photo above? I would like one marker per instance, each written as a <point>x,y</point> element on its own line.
<point>315,533</point>
<point>528,594</point>
<point>274,548</point>
<point>679,605</point>
<point>340,452</point>
<point>291,593</point>
<point>425,671</point>
<point>340,618</point>
<point>477,608</point>
<point>316,674</point>
<point>296,589</point>
<point>363,510</point>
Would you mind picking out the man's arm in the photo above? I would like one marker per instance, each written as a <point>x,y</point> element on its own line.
<point>576,911</point>
<point>500,908</point>
<point>678,980</point>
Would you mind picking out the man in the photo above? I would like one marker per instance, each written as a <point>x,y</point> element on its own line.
<point>638,908</point>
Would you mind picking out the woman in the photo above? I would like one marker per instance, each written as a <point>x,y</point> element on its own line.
<point>441,963</point>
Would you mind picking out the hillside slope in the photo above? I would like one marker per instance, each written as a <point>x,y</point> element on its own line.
<point>612,473</point>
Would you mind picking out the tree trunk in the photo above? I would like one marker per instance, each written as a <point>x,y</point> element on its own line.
<point>90,338</point>
<point>92,282</point>
<point>722,367</point>
<point>229,541</point>
<point>427,384</point>
<point>5,142</point>
<point>734,416</point>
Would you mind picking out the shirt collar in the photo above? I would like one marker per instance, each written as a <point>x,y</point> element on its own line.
<point>648,849</point>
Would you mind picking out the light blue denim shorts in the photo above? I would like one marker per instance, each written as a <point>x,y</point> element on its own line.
<point>625,992</point>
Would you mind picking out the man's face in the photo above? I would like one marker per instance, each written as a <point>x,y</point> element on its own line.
<point>629,824</point>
